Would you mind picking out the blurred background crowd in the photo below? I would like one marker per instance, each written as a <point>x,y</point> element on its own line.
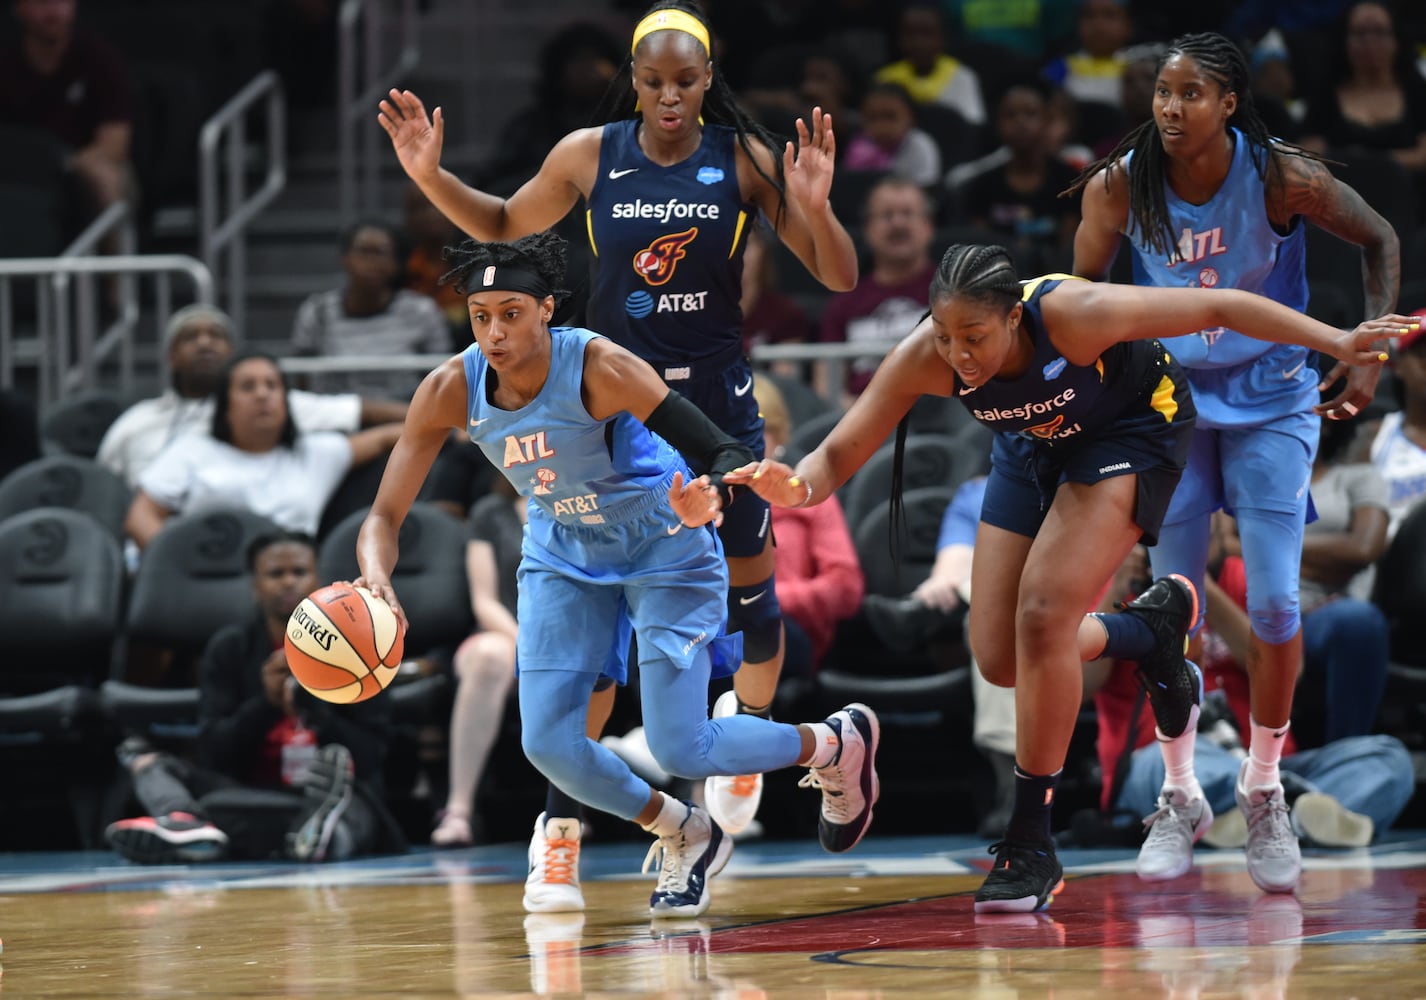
<point>159,432</point>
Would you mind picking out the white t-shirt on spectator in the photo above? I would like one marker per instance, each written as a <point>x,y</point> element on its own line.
<point>290,486</point>
<point>135,439</point>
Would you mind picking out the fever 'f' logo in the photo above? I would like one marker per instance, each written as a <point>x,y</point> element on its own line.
<point>1048,429</point>
<point>656,263</point>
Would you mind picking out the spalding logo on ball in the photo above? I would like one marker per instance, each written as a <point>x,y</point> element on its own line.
<point>343,644</point>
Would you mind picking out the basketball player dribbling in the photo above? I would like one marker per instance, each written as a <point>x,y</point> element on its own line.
<point>614,545</point>
<point>671,186</point>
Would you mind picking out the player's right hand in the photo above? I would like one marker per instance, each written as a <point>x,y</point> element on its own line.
<point>417,139</point>
<point>383,590</point>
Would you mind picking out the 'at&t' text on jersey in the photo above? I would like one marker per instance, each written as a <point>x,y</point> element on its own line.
<point>668,245</point>
<point>575,469</point>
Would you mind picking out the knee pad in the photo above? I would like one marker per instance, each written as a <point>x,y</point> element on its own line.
<point>755,612</point>
<point>1274,616</point>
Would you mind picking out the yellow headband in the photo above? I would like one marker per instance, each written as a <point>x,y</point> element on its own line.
<point>674,20</point>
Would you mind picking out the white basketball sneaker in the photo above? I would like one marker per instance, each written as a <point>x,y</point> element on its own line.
<point>732,800</point>
<point>553,883</point>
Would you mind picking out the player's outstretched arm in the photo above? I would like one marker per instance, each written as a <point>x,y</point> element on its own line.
<point>1085,318</point>
<point>540,202</point>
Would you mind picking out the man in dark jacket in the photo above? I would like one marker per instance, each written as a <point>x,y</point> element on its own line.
<point>279,773</point>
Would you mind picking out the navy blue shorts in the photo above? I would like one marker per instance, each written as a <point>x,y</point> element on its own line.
<point>1025,474</point>
<point>725,394</point>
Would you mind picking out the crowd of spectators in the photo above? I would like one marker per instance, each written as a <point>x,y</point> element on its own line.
<point>953,125</point>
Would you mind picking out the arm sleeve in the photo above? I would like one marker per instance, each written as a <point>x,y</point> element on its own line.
<point>688,429</point>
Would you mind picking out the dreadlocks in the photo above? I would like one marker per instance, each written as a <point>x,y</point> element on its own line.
<point>1223,62</point>
<point>720,107</point>
<point>541,253</point>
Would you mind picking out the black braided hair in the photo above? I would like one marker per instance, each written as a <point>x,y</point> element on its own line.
<point>1223,62</point>
<point>543,253</point>
<point>720,106</point>
<point>982,273</point>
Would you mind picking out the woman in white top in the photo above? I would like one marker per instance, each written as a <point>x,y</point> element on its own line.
<point>254,458</point>
<point>1398,442</point>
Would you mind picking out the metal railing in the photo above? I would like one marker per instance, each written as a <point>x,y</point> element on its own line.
<point>358,138</point>
<point>223,230</point>
<point>57,335</point>
<point>832,358</point>
<point>80,311</point>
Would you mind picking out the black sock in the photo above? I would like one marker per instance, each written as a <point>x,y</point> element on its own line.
<point>1127,637</point>
<point>1034,800</point>
<point>763,713</point>
<point>557,803</point>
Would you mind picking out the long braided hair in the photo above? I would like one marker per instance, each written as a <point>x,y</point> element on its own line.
<point>1223,62</point>
<point>720,106</point>
<point>984,274</point>
<point>543,253</point>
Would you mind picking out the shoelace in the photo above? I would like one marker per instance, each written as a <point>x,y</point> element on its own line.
<point>670,868</point>
<point>834,800</point>
<point>1177,816</point>
<point>1273,812</point>
<point>1005,849</point>
<point>561,860</point>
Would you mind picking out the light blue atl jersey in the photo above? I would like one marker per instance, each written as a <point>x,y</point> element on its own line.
<point>575,469</point>
<point>1228,242</point>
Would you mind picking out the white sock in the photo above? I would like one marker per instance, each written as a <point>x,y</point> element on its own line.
<point>828,747</point>
<point>1264,751</point>
<point>670,818</point>
<point>1178,757</point>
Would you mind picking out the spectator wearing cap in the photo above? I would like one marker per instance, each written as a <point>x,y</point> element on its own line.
<point>199,343</point>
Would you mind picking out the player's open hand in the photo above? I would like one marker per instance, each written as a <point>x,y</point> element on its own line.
<point>775,482</point>
<point>383,590</point>
<point>1360,357</point>
<point>696,502</point>
<point>807,176</point>
<point>417,139</point>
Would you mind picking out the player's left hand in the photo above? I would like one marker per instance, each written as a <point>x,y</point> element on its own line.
<point>807,176</point>
<point>1360,359</point>
<point>696,502</point>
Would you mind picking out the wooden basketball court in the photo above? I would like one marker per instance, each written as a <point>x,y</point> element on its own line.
<point>892,918</point>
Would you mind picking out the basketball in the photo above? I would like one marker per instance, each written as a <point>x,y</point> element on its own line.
<point>343,644</point>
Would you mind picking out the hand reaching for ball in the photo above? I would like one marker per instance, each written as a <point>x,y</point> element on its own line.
<point>383,590</point>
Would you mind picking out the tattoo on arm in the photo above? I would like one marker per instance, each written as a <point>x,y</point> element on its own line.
<point>1312,192</point>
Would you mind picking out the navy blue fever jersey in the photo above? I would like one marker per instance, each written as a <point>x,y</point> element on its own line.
<point>1054,402</point>
<point>668,246</point>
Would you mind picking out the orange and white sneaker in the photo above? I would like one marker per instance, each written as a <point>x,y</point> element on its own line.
<point>553,883</point>
<point>732,800</point>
